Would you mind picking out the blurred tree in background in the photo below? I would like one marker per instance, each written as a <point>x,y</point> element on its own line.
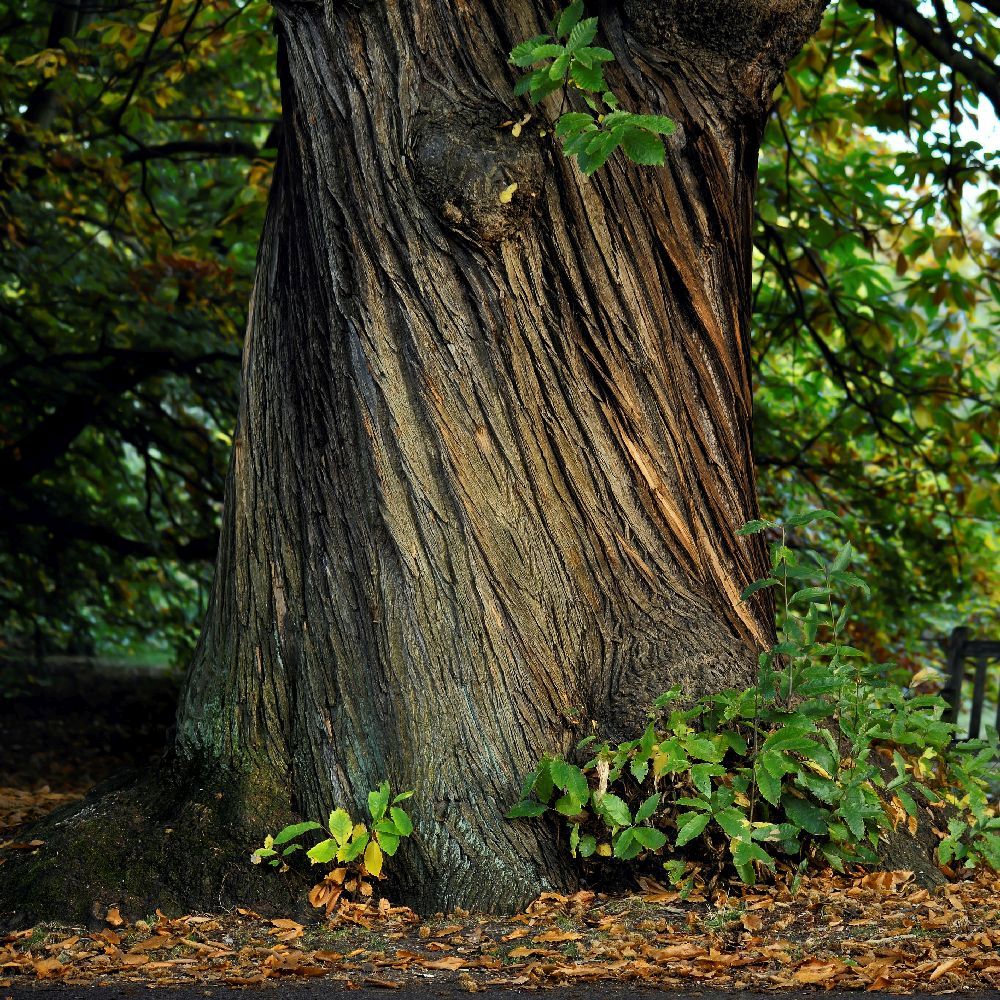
<point>136,145</point>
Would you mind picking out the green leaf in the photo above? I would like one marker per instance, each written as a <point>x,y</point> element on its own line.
<point>746,852</point>
<point>768,785</point>
<point>651,839</point>
<point>588,844</point>
<point>753,527</point>
<point>573,123</point>
<point>324,852</point>
<point>402,820</point>
<point>809,594</point>
<point>590,78</point>
<point>704,748</point>
<point>542,85</point>
<point>648,807</point>
<point>759,585</point>
<point>804,814</point>
<point>614,810</point>
<point>843,558</point>
<point>568,805</point>
<point>851,580</point>
<point>734,822</point>
<point>660,124</point>
<point>797,520</point>
<point>340,825</point>
<point>626,846</point>
<point>353,850</point>
<point>689,826</point>
<point>570,779</point>
<point>582,34</point>
<point>596,54</point>
<point>402,797</point>
<point>701,775</point>
<point>378,801</point>
<point>597,151</point>
<point>524,85</point>
<point>852,812</point>
<point>297,829</point>
<point>527,810</point>
<point>569,18</point>
<point>578,143</point>
<point>523,55</point>
<point>389,842</point>
<point>557,71</point>
<point>643,147</point>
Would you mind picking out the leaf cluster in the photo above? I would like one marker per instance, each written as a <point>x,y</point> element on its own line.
<point>567,60</point>
<point>356,850</point>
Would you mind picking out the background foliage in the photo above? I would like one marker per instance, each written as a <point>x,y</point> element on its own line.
<point>136,147</point>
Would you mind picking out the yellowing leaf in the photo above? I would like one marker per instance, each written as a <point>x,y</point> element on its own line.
<point>507,193</point>
<point>373,858</point>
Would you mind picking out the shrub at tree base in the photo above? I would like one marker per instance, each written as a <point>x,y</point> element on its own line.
<point>817,761</point>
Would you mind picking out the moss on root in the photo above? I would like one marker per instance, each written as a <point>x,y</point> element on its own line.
<point>177,838</point>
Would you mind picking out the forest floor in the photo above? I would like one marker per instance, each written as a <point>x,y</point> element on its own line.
<point>62,732</point>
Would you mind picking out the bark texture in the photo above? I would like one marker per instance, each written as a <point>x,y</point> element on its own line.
<point>491,457</point>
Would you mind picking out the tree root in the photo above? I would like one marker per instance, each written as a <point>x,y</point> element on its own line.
<point>170,838</point>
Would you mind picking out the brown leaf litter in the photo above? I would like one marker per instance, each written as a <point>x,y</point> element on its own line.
<point>876,931</point>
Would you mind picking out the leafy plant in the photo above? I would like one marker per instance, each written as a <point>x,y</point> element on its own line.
<point>816,761</point>
<point>356,852</point>
<point>566,59</point>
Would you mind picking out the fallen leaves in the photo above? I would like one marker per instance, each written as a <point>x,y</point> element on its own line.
<point>23,805</point>
<point>877,931</point>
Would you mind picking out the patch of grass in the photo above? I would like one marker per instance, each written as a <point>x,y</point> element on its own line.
<point>722,919</point>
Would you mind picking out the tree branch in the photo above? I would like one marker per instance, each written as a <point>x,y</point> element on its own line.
<point>904,14</point>
<point>202,147</point>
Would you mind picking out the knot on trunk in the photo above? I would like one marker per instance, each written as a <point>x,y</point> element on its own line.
<point>752,41</point>
<point>478,178</point>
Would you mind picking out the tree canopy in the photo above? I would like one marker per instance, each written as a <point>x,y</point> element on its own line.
<point>136,148</point>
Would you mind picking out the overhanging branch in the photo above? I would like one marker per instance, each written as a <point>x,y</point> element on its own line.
<point>979,71</point>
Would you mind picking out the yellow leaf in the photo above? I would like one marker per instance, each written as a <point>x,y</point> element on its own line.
<point>507,193</point>
<point>373,858</point>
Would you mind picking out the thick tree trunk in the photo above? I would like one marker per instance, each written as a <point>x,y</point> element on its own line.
<point>491,457</point>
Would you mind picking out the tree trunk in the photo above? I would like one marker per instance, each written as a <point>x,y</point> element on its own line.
<point>491,456</point>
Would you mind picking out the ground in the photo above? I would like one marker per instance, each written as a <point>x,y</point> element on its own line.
<point>62,731</point>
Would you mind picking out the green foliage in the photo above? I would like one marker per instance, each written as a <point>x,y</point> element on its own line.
<point>134,170</point>
<point>876,306</point>
<point>137,145</point>
<point>566,60</point>
<point>356,851</point>
<point>798,766</point>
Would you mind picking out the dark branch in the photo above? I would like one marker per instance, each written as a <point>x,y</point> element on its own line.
<point>69,529</point>
<point>201,147</point>
<point>983,74</point>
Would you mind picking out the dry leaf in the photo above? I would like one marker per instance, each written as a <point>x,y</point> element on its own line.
<point>450,963</point>
<point>558,936</point>
<point>47,968</point>
<point>944,968</point>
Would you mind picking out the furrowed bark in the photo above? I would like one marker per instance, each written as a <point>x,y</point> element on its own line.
<point>491,455</point>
